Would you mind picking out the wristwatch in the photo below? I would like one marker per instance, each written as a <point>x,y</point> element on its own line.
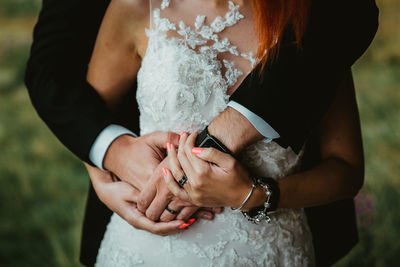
<point>205,139</point>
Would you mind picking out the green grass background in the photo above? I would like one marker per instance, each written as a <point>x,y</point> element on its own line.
<point>43,186</point>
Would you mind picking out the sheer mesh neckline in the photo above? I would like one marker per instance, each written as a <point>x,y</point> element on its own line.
<point>197,38</point>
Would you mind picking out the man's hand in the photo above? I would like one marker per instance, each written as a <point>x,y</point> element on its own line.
<point>134,160</point>
<point>121,197</point>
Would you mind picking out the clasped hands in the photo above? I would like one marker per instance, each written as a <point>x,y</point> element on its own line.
<point>149,185</point>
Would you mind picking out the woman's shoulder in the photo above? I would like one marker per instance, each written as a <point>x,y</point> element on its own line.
<point>130,11</point>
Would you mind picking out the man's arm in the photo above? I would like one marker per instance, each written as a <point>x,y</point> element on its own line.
<point>56,73</point>
<point>234,130</point>
<point>64,38</point>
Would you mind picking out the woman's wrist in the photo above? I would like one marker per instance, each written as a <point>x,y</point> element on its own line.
<point>261,213</point>
<point>239,196</point>
<point>247,197</point>
<point>257,199</point>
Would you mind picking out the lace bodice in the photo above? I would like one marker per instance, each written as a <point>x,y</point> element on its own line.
<point>182,86</point>
<point>181,80</point>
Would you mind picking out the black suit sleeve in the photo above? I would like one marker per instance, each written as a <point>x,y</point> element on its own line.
<point>296,90</point>
<point>56,72</point>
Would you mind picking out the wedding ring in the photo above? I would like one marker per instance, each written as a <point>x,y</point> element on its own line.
<point>174,212</point>
<point>182,181</point>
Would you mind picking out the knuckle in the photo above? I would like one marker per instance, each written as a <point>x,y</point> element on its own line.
<point>132,191</point>
<point>142,203</point>
<point>170,136</point>
<point>164,218</point>
<point>210,151</point>
<point>176,172</point>
<point>167,195</point>
<point>152,216</point>
<point>177,203</point>
<point>201,172</point>
<point>159,180</point>
<point>197,184</point>
<point>197,199</point>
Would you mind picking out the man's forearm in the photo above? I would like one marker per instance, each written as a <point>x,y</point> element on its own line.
<point>234,130</point>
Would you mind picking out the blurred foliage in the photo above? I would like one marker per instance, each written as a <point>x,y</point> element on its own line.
<point>43,186</point>
<point>13,8</point>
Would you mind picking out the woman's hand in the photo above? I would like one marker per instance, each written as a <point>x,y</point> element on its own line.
<point>214,178</point>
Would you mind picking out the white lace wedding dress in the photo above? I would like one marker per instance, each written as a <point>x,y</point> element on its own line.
<point>181,88</point>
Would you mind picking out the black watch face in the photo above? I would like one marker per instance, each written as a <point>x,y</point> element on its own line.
<point>211,143</point>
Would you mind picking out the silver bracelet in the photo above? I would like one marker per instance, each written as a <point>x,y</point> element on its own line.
<point>261,214</point>
<point>247,198</point>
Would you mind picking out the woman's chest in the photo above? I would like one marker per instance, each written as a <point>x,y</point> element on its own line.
<point>200,27</point>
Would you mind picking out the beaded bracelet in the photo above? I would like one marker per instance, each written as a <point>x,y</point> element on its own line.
<point>272,194</point>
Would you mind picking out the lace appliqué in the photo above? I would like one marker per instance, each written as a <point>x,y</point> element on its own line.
<point>202,33</point>
<point>187,72</point>
<point>250,56</point>
<point>164,4</point>
<point>231,74</point>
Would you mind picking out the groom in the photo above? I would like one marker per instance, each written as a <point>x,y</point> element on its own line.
<point>289,91</point>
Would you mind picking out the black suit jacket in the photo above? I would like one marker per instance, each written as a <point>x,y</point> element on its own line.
<point>292,94</point>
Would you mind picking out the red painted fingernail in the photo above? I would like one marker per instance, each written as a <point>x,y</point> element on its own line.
<point>197,150</point>
<point>164,170</point>
<point>168,146</point>
<point>186,225</point>
<point>180,136</point>
<point>182,226</point>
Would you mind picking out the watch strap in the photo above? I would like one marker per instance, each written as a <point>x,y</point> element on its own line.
<point>204,136</point>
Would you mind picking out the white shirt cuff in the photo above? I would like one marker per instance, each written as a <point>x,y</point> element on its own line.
<point>261,125</point>
<point>103,142</point>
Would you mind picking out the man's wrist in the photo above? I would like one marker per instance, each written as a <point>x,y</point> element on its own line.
<point>233,130</point>
<point>111,157</point>
<point>237,127</point>
<point>103,142</point>
<point>258,123</point>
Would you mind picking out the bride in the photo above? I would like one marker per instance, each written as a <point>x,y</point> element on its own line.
<point>188,57</point>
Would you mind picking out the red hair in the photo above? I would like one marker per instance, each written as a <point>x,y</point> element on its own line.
<point>272,17</point>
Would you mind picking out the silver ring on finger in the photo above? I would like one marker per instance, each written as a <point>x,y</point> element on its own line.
<point>182,181</point>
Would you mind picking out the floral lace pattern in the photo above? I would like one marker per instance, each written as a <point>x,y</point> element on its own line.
<point>193,87</point>
<point>181,88</point>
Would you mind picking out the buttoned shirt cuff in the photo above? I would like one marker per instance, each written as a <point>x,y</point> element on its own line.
<point>261,125</point>
<point>103,142</point>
